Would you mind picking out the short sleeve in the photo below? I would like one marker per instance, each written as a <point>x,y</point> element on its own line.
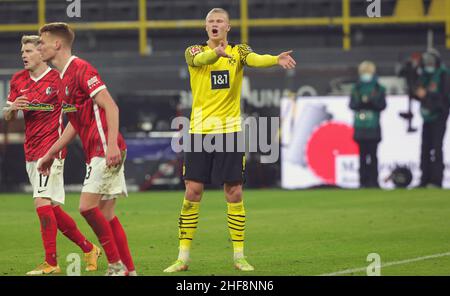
<point>91,82</point>
<point>191,52</point>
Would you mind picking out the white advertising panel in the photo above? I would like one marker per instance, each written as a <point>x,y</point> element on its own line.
<point>317,146</point>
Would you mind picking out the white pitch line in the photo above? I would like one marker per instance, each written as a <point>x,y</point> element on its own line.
<point>406,261</point>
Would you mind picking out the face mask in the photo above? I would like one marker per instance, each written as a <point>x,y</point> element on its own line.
<point>366,77</point>
<point>429,69</point>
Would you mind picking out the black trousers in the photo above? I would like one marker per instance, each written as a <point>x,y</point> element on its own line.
<point>368,163</point>
<point>431,156</point>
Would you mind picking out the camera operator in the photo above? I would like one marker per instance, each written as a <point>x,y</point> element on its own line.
<point>432,92</point>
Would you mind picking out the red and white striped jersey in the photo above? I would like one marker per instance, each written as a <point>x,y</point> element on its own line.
<point>80,82</point>
<point>43,117</point>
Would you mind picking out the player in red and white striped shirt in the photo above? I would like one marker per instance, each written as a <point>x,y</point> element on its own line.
<point>94,116</point>
<point>34,90</point>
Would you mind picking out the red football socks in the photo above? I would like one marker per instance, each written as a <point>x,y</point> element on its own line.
<point>68,227</point>
<point>122,243</point>
<point>102,229</point>
<point>48,232</point>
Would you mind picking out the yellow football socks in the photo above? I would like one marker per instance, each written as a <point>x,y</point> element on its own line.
<point>187,225</point>
<point>236,225</point>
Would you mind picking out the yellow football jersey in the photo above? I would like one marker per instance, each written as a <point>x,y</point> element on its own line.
<point>216,90</point>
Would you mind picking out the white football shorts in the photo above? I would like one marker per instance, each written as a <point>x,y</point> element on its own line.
<point>109,182</point>
<point>51,186</point>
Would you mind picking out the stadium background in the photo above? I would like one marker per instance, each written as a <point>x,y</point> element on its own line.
<point>138,48</point>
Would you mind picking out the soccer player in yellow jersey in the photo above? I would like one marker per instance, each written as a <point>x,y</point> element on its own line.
<point>216,71</point>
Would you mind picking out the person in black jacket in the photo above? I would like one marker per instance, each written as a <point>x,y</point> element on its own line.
<point>432,94</point>
<point>368,99</point>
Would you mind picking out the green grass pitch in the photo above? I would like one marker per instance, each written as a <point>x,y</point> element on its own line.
<point>287,233</point>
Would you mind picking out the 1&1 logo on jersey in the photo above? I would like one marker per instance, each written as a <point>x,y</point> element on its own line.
<point>220,79</point>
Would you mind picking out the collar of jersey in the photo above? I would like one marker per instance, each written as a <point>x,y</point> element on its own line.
<point>67,66</point>
<point>42,75</point>
<point>231,44</point>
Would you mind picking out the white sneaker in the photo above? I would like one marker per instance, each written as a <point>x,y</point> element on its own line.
<point>116,269</point>
<point>132,273</point>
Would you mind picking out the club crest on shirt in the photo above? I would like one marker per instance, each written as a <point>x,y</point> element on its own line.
<point>48,91</point>
<point>232,61</point>
<point>195,50</point>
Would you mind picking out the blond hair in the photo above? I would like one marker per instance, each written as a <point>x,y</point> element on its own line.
<point>367,67</point>
<point>219,10</point>
<point>33,39</point>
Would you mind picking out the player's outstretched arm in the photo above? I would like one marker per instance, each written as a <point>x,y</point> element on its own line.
<point>106,102</point>
<point>45,163</point>
<point>284,59</point>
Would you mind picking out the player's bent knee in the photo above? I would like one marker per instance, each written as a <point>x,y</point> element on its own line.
<point>89,201</point>
<point>233,192</point>
<point>193,195</point>
<point>41,201</point>
<point>107,208</point>
<point>83,209</point>
<point>108,213</point>
<point>194,191</point>
<point>234,198</point>
<point>108,217</point>
<point>86,207</point>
